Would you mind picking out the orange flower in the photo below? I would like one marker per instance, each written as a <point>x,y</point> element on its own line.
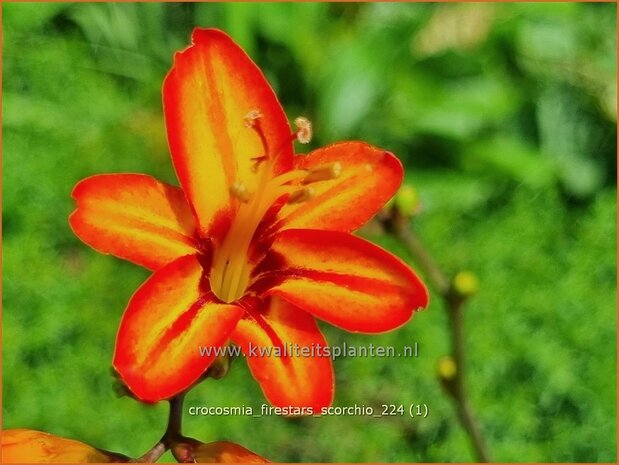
<point>29,446</point>
<point>255,244</point>
<point>188,450</point>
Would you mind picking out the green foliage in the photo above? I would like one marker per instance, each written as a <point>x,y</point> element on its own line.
<point>504,115</point>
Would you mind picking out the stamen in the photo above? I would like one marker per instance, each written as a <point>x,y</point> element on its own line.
<point>288,177</point>
<point>304,130</point>
<point>231,268</point>
<point>324,173</point>
<point>239,190</point>
<point>302,195</point>
<point>251,118</point>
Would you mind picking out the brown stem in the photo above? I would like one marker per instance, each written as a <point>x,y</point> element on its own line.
<point>172,432</point>
<point>153,454</point>
<point>175,419</point>
<point>396,224</point>
<point>459,395</point>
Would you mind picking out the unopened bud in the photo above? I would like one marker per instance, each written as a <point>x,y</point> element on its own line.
<point>447,368</point>
<point>466,283</point>
<point>220,366</point>
<point>407,200</point>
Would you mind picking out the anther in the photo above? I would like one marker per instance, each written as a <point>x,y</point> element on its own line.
<point>239,190</point>
<point>251,118</point>
<point>304,130</point>
<point>324,173</point>
<point>302,195</point>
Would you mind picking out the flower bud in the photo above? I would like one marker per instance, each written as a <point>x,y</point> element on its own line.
<point>407,201</point>
<point>220,366</point>
<point>447,368</point>
<point>30,446</point>
<point>466,283</point>
<point>188,450</point>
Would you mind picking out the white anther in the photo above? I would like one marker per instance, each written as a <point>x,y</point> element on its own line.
<point>304,129</point>
<point>239,190</point>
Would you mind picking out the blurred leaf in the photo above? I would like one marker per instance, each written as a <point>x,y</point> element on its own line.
<point>511,158</point>
<point>568,137</point>
<point>128,40</point>
<point>351,88</point>
<point>465,193</point>
<point>30,16</point>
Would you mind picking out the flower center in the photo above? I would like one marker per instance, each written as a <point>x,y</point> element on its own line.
<point>231,268</point>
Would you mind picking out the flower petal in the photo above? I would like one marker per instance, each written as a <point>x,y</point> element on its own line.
<point>189,450</point>
<point>208,92</point>
<point>31,446</point>
<point>135,217</point>
<point>226,452</point>
<point>341,279</point>
<point>369,178</point>
<point>290,378</point>
<point>166,322</point>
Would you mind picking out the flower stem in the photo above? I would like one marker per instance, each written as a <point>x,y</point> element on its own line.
<point>397,225</point>
<point>173,430</point>
<point>175,419</point>
<point>153,454</point>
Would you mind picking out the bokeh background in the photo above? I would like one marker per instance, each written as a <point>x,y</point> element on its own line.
<point>505,117</point>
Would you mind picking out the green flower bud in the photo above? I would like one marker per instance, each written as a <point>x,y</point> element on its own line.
<point>407,200</point>
<point>466,283</point>
<point>447,368</point>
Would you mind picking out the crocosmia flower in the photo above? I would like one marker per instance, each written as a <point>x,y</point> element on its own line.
<point>254,244</point>
<point>188,450</point>
<point>30,446</point>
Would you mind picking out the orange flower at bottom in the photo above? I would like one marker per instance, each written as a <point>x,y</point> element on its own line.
<point>30,446</point>
<point>189,450</point>
<point>254,245</point>
<point>226,452</point>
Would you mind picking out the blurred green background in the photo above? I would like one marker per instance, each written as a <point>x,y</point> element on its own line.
<point>505,117</point>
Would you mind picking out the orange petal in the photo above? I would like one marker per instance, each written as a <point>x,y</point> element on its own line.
<point>166,322</point>
<point>30,446</point>
<point>135,217</point>
<point>188,450</point>
<point>296,377</point>
<point>209,91</point>
<point>341,279</point>
<point>225,452</point>
<point>369,178</point>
